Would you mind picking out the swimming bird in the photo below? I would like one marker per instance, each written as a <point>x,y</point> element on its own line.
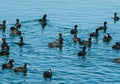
<point>83,52</point>
<point>76,39</point>
<point>107,38</point>
<point>22,69</point>
<point>43,21</point>
<point>43,18</point>
<point>21,43</point>
<point>74,31</point>
<point>15,31</point>
<point>104,27</point>
<point>47,74</point>
<point>3,26</point>
<point>4,53</point>
<point>8,65</point>
<point>87,43</point>
<point>4,45</point>
<point>94,34</point>
<point>60,40</point>
<point>17,24</point>
<point>58,43</point>
<point>116,46</point>
<point>116,18</point>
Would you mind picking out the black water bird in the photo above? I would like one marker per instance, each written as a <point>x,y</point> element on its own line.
<point>21,42</point>
<point>116,18</point>
<point>22,69</point>
<point>4,53</point>
<point>76,39</point>
<point>43,21</point>
<point>15,31</point>
<point>83,52</point>
<point>104,27</point>
<point>58,43</point>
<point>4,45</point>
<point>94,34</point>
<point>47,74</point>
<point>8,65</point>
<point>116,46</point>
<point>87,43</point>
<point>74,31</point>
<point>3,25</point>
<point>17,24</point>
<point>107,38</point>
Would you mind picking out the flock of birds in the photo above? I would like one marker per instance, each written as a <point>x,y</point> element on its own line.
<point>88,43</point>
<point>15,31</point>
<point>57,44</point>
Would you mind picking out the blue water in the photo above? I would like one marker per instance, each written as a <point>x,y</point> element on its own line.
<point>62,15</point>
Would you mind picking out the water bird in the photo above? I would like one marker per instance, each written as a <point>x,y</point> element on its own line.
<point>21,42</point>
<point>17,24</point>
<point>74,31</point>
<point>116,46</point>
<point>43,21</point>
<point>22,69</point>
<point>4,45</point>
<point>3,26</point>
<point>83,52</point>
<point>87,43</point>
<point>104,27</point>
<point>116,18</point>
<point>47,74</point>
<point>44,17</point>
<point>15,31</point>
<point>58,43</point>
<point>107,38</point>
<point>94,34</point>
<point>4,53</point>
<point>8,65</point>
<point>76,39</point>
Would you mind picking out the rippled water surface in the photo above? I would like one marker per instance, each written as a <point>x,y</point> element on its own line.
<point>96,68</point>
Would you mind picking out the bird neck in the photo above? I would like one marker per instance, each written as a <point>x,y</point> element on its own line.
<point>83,49</point>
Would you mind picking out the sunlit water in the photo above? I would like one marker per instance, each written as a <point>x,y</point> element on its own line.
<point>96,68</point>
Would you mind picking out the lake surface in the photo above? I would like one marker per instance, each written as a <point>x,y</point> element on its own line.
<point>96,68</point>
